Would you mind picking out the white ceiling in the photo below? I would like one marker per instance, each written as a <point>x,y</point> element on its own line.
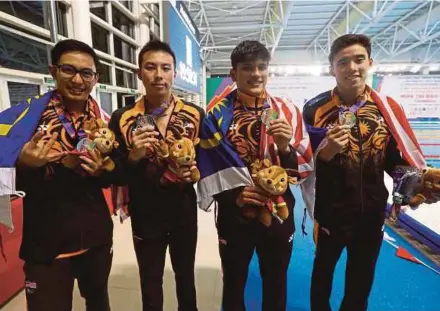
<point>300,32</point>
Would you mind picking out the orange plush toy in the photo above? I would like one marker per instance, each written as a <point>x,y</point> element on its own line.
<point>413,187</point>
<point>99,137</point>
<point>181,154</point>
<point>429,191</point>
<point>274,180</point>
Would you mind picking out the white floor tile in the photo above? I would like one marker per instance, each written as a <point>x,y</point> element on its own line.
<point>124,285</point>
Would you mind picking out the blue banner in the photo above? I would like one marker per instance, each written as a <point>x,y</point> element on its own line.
<point>182,35</point>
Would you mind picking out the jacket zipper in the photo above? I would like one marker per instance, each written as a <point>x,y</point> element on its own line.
<point>361,164</point>
<point>258,127</point>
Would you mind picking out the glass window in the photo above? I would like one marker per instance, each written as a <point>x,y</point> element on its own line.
<point>20,53</point>
<point>105,100</point>
<point>122,22</point>
<point>125,79</point>
<point>128,4</point>
<point>125,99</point>
<point>62,18</point>
<point>27,31</point>
<point>19,92</point>
<point>30,11</point>
<point>154,7</point>
<point>105,74</point>
<point>156,30</point>
<point>124,50</point>
<point>99,8</point>
<point>36,12</point>
<point>100,38</point>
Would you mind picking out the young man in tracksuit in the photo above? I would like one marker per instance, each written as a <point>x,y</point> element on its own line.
<point>242,133</point>
<point>163,212</point>
<point>351,196</point>
<point>67,228</point>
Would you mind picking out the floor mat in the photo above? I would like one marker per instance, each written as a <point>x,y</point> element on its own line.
<point>399,284</point>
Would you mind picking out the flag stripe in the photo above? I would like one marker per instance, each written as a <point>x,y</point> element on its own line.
<point>411,151</point>
<point>300,139</point>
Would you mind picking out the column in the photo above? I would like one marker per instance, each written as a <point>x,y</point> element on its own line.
<point>144,37</point>
<point>144,32</point>
<point>204,78</point>
<point>82,29</point>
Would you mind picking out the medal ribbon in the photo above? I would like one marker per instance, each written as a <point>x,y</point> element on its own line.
<point>354,108</point>
<point>158,111</point>
<point>67,121</point>
<point>348,114</point>
<point>263,135</point>
<point>360,101</point>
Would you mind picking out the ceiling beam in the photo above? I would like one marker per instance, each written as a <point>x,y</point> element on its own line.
<point>221,47</point>
<point>236,27</point>
<point>379,13</point>
<point>326,27</point>
<point>414,35</point>
<point>354,14</point>
<point>409,35</point>
<point>420,23</point>
<point>412,46</point>
<point>209,37</point>
<point>238,38</point>
<point>282,9</point>
<point>265,17</point>
<point>416,9</point>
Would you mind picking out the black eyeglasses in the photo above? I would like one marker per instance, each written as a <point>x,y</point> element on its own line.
<point>69,71</point>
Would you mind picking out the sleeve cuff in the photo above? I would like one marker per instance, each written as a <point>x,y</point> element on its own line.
<point>289,160</point>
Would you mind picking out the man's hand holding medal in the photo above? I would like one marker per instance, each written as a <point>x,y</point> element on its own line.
<point>144,137</point>
<point>93,163</point>
<point>280,129</point>
<point>338,136</point>
<point>37,153</point>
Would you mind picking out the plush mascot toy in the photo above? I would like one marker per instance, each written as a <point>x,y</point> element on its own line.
<point>181,154</point>
<point>274,180</point>
<point>414,187</point>
<point>429,192</point>
<point>99,138</point>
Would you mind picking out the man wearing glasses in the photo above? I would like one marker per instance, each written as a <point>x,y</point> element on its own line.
<point>67,228</point>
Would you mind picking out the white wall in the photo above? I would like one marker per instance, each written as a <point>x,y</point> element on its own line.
<point>299,89</point>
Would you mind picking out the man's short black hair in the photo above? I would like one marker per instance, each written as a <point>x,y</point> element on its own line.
<point>156,45</point>
<point>348,40</point>
<point>249,50</point>
<point>71,45</point>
